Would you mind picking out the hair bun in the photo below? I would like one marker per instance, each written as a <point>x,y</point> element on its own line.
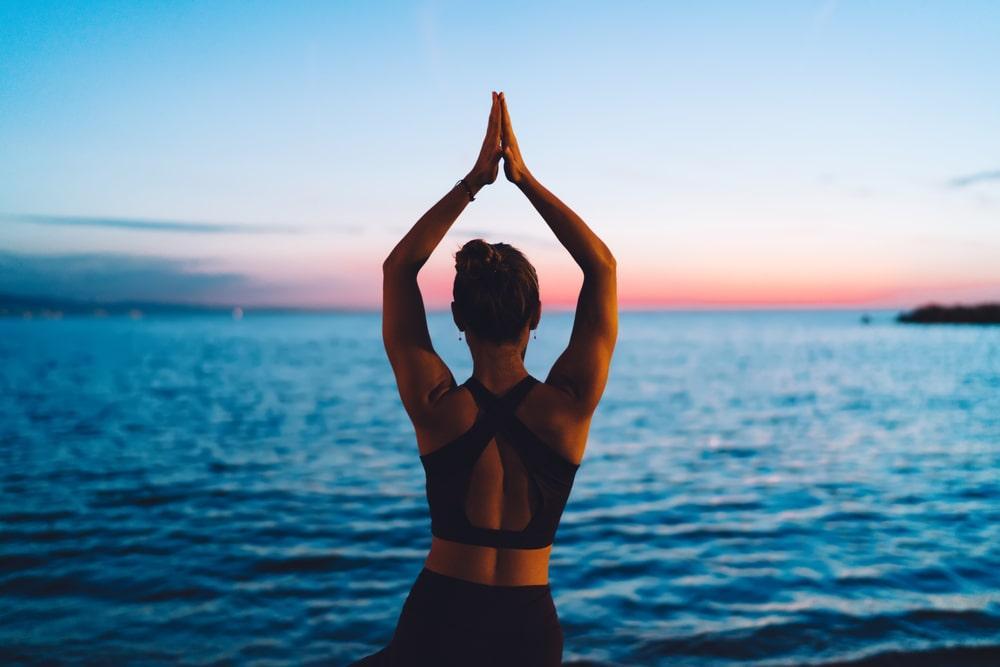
<point>477,257</point>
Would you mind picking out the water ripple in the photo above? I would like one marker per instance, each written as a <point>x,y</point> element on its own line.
<point>759,488</point>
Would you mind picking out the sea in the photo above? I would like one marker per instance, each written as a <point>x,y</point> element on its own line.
<point>759,488</point>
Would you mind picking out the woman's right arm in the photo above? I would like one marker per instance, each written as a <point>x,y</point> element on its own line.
<point>582,369</point>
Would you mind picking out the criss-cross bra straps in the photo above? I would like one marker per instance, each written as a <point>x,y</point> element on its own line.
<point>505,403</point>
<point>500,414</point>
<point>494,411</point>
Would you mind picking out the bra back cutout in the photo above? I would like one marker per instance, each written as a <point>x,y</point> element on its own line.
<point>544,474</point>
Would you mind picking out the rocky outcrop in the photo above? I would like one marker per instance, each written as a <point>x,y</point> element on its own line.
<point>983,313</point>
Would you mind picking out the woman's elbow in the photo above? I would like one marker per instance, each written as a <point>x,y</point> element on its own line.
<point>605,261</point>
<point>394,262</point>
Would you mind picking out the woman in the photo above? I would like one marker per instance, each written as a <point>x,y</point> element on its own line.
<point>500,451</point>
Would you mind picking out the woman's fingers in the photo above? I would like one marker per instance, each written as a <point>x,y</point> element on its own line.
<point>507,132</point>
<point>493,125</point>
<point>496,113</point>
<point>488,161</point>
<point>504,119</point>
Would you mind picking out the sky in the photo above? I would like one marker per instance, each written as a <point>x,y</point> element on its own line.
<point>730,154</point>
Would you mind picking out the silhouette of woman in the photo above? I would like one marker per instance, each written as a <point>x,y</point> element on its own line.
<point>500,451</point>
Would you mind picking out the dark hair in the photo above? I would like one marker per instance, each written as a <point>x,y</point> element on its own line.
<point>496,289</point>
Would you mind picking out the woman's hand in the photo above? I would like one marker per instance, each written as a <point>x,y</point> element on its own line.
<point>513,163</point>
<point>487,165</point>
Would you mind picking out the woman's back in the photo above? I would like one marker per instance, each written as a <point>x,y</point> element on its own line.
<point>498,483</point>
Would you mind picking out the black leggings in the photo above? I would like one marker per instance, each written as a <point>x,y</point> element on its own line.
<point>447,621</point>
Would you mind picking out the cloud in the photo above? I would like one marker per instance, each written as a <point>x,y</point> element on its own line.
<point>149,225</point>
<point>972,179</point>
<point>118,277</point>
<point>507,237</point>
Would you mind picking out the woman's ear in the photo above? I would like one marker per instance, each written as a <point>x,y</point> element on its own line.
<point>455,316</point>
<point>536,316</point>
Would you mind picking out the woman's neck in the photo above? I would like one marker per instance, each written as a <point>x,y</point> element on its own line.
<point>498,369</point>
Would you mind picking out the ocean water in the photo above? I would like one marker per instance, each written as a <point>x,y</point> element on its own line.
<point>758,488</point>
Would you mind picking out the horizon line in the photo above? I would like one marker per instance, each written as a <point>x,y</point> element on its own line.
<point>42,303</point>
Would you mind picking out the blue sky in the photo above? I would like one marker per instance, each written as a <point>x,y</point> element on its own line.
<point>730,153</point>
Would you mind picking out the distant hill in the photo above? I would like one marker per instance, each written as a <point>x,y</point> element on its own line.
<point>40,306</point>
<point>12,305</point>
<point>983,313</point>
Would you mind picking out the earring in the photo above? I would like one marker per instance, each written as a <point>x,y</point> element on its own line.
<point>460,335</point>
<point>534,335</point>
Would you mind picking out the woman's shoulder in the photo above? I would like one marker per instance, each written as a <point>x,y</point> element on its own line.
<point>553,414</point>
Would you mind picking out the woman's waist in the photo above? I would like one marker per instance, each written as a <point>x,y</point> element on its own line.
<point>491,566</point>
<point>443,600</point>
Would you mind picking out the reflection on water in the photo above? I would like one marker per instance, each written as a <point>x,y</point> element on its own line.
<point>764,488</point>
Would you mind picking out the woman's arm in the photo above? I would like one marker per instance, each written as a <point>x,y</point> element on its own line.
<point>582,369</point>
<point>421,375</point>
<point>584,246</point>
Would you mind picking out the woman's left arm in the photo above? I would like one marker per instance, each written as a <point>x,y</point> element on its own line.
<point>421,375</point>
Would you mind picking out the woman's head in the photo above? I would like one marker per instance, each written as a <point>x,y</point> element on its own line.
<point>495,292</point>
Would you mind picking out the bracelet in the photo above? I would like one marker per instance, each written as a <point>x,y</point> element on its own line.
<point>467,187</point>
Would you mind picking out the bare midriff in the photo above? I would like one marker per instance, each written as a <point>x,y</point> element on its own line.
<point>489,565</point>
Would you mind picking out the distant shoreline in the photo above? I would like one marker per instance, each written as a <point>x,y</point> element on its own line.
<point>51,308</point>
<point>983,313</point>
<point>54,308</point>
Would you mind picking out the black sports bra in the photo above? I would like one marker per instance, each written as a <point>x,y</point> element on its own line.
<point>449,474</point>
